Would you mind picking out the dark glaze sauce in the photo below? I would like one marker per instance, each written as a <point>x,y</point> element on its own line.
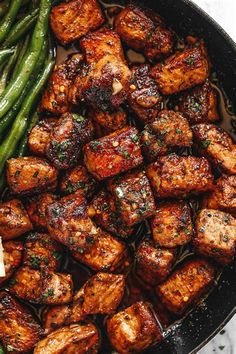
<point>136,290</point>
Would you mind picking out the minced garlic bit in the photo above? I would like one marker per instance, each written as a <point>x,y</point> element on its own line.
<point>62,88</point>
<point>133,87</point>
<point>115,143</point>
<point>2,266</point>
<point>116,86</point>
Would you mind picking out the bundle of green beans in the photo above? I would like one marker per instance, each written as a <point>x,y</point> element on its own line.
<point>26,60</point>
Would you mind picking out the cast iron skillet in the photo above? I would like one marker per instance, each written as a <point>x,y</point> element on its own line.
<point>195,330</point>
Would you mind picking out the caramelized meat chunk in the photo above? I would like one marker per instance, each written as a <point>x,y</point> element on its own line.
<point>66,140</point>
<point>36,209</point>
<point>186,285</point>
<point>180,176</point>
<point>79,181</point>
<point>144,98</point>
<point>216,235</point>
<point>39,136</point>
<point>223,196</point>
<point>42,252</point>
<point>169,130</point>
<point>76,338</point>
<point>113,154</point>
<point>43,287</point>
<point>181,71</point>
<point>134,329</point>
<point>106,122</point>
<point>133,195</point>
<point>73,19</point>
<point>172,224</point>
<point>215,144</point>
<point>199,105</point>
<point>14,220</point>
<point>19,332</point>
<point>12,256</point>
<point>105,214</point>
<point>153,264</point>
<point>29,175</point>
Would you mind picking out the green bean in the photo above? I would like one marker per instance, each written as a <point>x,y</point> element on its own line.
<point>20,28</point>
<point>4,54</point>
<point>9,18</point>
<point>5,4</point>
<point>1,348</point>
<point>8,68</point>
<point>22,148</point>
<point>26,68</point>
<point>20,56</point>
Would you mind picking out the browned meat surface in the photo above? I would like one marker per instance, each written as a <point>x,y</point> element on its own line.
<point>12,256</point>
<point>106,122</point>
<point>39,136</point>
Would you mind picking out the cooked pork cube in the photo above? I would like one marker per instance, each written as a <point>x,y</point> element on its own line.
<point>133,195</point>
<point>14,220</point>
<point>106,122</point>
<point>182,70</point>
<point>159,43</point>
<point>170,129</point>
<point>216,235</point>
<point>216,145</point>
<point>186,285</point>
<point>66,140</point>
<point>199,105</point>
<point>79,181</point>
<point>73,19</point>
<point>43,287</point>
<point>180,176</point>
<point>12,256</point>
<point>55,97</point>
<point>134,329</point>
<point>42,252</point>
<point>153,264</point>
<point>36,209</point>
<point>29,175</point>
<point>19,332</point>
<point>223,196</point>
<point>105,214</point>
<point>172,224</point>
<point>113,154</point>
<point>144,97</point>
<point>39,137</point>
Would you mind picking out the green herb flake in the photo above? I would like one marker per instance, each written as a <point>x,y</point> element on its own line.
<point>135,139</point>
<point>17,173</point>
<point>56,255</point>
<point>35,174</point>
<point>179,131</point>
<point>205,143</point>
<point>12,282</point>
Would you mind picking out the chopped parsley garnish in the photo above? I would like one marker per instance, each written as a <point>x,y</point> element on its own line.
<point>135,138</point>
<point>50,292</point>
<point>205,143</point>
<point>35,174</point>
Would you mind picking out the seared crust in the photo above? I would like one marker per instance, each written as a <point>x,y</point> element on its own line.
<point>180,176</point>
<point>172,224</point>
<point>134,329</point>
<point>113,154</point>
<point>216,235</point>
<point>19,332</point>
<point>215,144</point>
<point>106,122</point>
<point>182,70</point>
<point>186,285</point>
<point>74,19</point>
<point>29,175</point>
<point>39,136</point>
<point>12,256</point>
<point>14,220</point>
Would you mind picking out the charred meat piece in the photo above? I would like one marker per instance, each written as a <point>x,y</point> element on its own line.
<point>74,19</point>
<point>39,136</point>
<point>19,332</point>
<point>76,338</point>
<point>216,145</point>
<point>42,252</point>
<point>66,140</point>
<point>106,122</point>
<point>144,98</point>
<point>14,220</point>
<point>36,209</point>
<point>179,176</point>
<point>12,256</point>
<point>186,285</point>
<point>78,180</point>
<point>29,175</point>
<point>105,214</point>
<point>169,130</point>
<point>133,195</point>
<point>172,224</point>
<point>182,70</point>
<point>199,105</point>
<point>43,287</point>
<point>153,264</point>
<point>134,329</point>
<point>104,79</point>
<point>223,196</point>
<point>113,154</point>
<point>216,235</point>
